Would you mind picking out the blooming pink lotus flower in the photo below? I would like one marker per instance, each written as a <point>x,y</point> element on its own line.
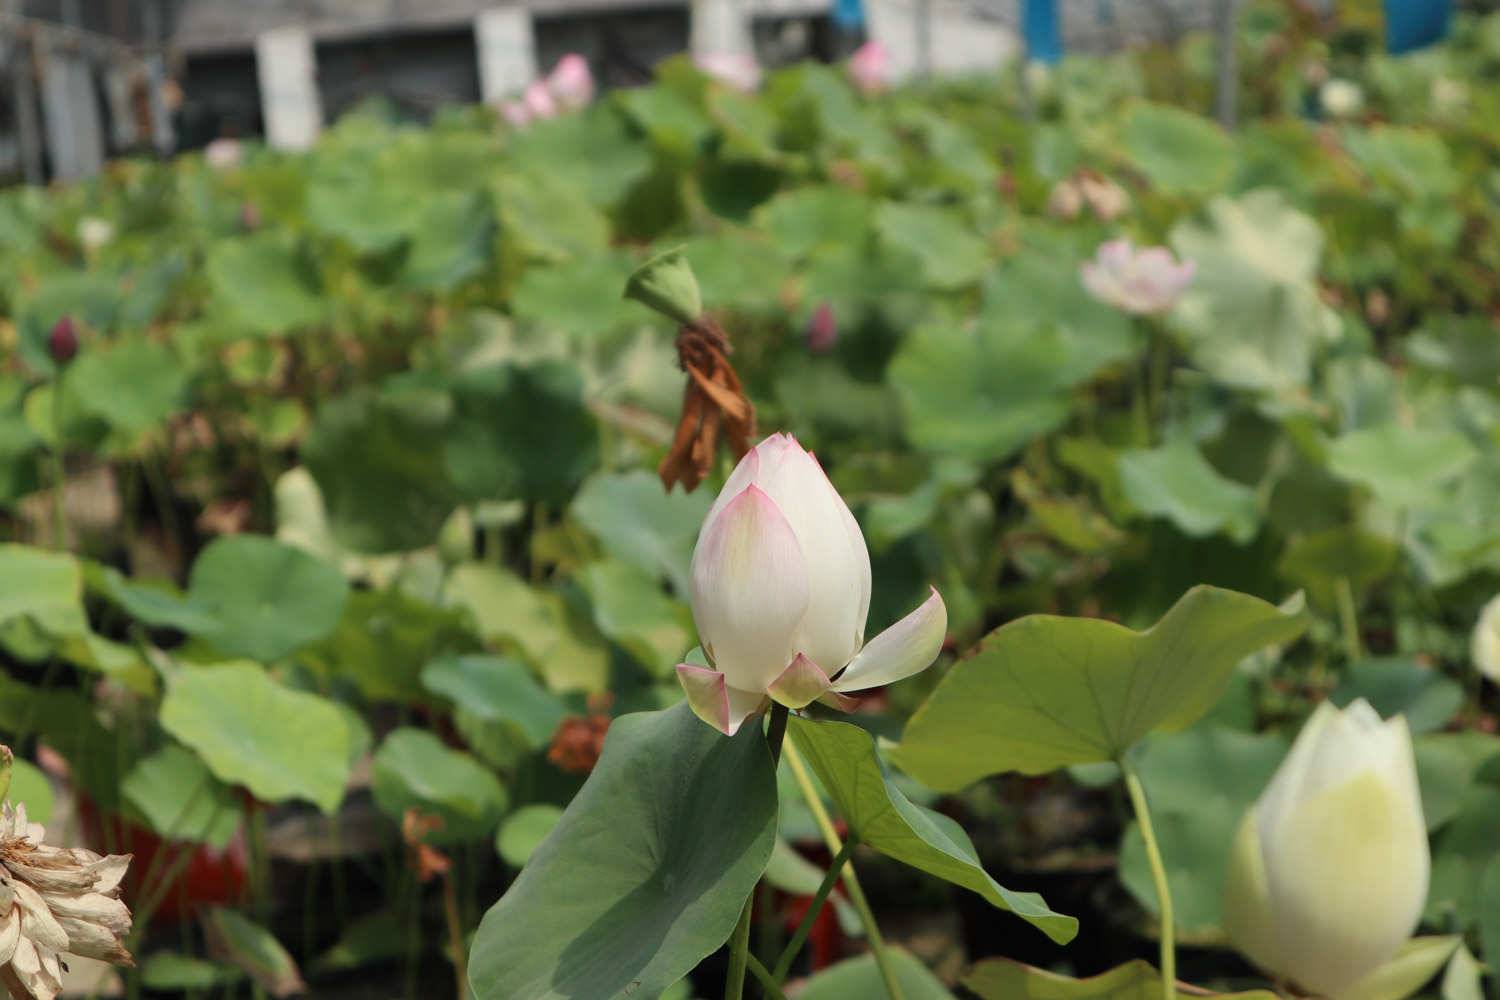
<point>870,68</point>
<point>570,83</point>
<point>741,72</point>
<point>780,592</point>
<point>1139,280</point>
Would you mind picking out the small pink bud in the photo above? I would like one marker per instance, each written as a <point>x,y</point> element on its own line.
<point>571,83</point>
<point>822,329</point>
<point>539,100</point>
<point>869,68</point>
<point>62,342</point>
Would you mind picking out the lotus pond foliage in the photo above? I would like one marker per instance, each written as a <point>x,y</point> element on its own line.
<point>1090,591</point>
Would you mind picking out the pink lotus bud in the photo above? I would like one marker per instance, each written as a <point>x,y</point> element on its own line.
<point>516,113</point>
<point>571,84</point>
<point>1065,201</point>
<point>870,68</point>
<point>62,342</point>
<point>741,72</point>
<point>1105,198</point>
<point>822,329</point>
<point>780,592</point>
<point>1143,281</point>
<point>539,101</point>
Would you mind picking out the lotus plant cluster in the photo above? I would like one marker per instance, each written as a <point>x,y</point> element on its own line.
<point>780,593</point>
<point>569,87</point>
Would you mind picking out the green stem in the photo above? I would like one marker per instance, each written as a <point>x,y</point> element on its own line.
<point>851,880</point>
<point>739,941</point>
<point>59,472</point>
<point>1349,620</point>
<point>1161,360</point>
<point>784,964</point>
<point>768,981</point>
<point>1158,876</point>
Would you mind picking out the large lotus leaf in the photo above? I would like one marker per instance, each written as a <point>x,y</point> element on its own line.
<point>1464,850</point>
<point>375,457</point>
<point>1179,152</point>
<point>132,386</point>
<point>645,874</point>
<point>630,609</point>
<point>497,689</point>
<point>244,944</point>
<point>579,297</point>
<point>1252,315</point>
<point>414,770</point>
<point>451,243</point>
<point>882,817</point>
<point>547,218</point>
<point>43,586</point>
<point>382,642</point>
<point>1413,161</point>
<point>597,152</point>
<point>30,786</point>
<point>180,799</point>
<point>1199,784</point>
<point>1176,482</point>
<point>642,524</point>
<point>860,977</point>
<point>1318,562</point>
<point>803,219</point>
<point>1002,979</point>
<point>523,832</point>
<point>939,243</point>
<point>982,393</point>
<point>1403,466</point>
<point>348,201</point>
<point>521,433</point>
<point>264,283</point>
<point>1044,692</point>
<point>265,599</point>
<point>279,743</point>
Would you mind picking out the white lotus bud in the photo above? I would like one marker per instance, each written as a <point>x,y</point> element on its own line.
<point>781,589</point>
<point>1341,98</point>
<point>1329,871</point>
<point>1484,644</point>
<point>55,901</point>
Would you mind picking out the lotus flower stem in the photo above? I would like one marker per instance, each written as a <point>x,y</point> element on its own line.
<point>768,981</point>
<point>59,472</point>
<point>1158,877</point>
<point>1349,620</point>
<point>739,941</point>
<point>851,881</point>
<point>784,964</point>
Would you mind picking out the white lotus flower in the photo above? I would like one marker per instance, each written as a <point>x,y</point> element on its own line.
<point>736,70</point>
<point>1329,872</point>
<point>780,591</point>
<point>571,83</point>
<point>1139,280</point>
<point>223,154</point>
<point>1341,98</point>
<point>1484,644</point>
<point>55,901</point>
<point>94,233</point>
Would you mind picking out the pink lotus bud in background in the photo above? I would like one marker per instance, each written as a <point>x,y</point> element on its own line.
<point>1143,281</point>
<point>223,154</point>
<point>515,113</point>
<point>822,329</point>
<point>870,68</point>
<point>62,342</point>
<point>1065,201</point>
<point>741,72</point>
<point>780,592</point>
<point>571,83</point>
<point>1106,199</point>
<point>539,101</point>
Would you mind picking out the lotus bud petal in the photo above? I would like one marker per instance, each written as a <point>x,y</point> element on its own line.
<point>1484,645</point>
<point>1329,872</point>
<point>571,83</point>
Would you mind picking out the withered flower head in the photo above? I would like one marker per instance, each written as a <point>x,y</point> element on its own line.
<point>55,901</point>
<point>713,403</point>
